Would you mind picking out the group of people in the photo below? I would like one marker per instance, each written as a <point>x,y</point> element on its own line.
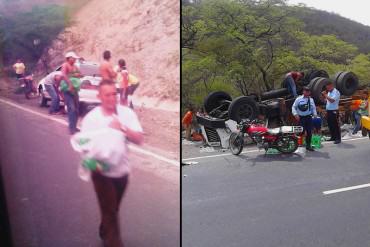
<point>304,110</point>
<point>65,84</point>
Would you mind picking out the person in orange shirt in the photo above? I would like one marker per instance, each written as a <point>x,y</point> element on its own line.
<point>187,122</point>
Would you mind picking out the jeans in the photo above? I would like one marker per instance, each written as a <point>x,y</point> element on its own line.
<point>306,123</point>
<point>109,192</point>
<point>333,125</point>
<point>357,117</point>
<point>290,83</point>
<point>71,101</point>
<point>54,107</point>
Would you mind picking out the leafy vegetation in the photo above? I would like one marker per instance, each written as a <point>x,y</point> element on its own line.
<point>247,46</point>
<point>27,34</point>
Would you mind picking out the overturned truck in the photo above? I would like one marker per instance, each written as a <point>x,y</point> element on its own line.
<point>274,106</point>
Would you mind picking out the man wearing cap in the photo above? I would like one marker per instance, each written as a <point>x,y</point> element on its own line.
<point>303,109</point>
<point>69,70</point>
<point>332,97</point>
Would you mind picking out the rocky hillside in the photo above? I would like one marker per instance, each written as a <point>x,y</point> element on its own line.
<point>144,33</point>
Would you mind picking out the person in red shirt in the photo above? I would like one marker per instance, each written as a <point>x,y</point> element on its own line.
<point>187,122</point>
<point>290,81</point>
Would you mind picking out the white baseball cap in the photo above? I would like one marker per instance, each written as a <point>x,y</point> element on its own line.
<point>71,54</point>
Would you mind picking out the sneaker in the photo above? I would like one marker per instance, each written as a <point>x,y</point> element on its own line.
<point>310,149</point>
<point>337,142</point>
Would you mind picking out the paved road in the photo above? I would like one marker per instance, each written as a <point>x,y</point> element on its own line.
<point>269,201</point>
<point>50,206</point>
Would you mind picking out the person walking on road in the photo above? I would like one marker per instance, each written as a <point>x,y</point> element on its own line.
<point>106,68</point>
<point>52,82</point>
<point>110,185</point>
<point>290,81</point>
<point>70,92</point>
<point>19,68</point>
<point>332,97</point>
<point>303,109</point>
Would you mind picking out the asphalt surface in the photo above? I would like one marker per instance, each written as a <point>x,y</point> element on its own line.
<point>49,205</point>
<point>263,200</point>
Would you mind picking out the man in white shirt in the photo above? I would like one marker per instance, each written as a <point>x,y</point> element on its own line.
<point>110,185</point>
<point>332,97</point>
<point>52,82</point>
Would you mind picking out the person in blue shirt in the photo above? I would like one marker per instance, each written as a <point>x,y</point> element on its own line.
<point>303,109</point>
<point>332,97</point>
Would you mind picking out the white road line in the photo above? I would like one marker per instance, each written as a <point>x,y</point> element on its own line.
<point>256,150</point>
<point>65,123</point>
<point>328,192</point>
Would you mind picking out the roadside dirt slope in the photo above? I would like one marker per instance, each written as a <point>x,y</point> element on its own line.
<point>144,33</point>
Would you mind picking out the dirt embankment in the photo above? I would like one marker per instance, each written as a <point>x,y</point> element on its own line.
<point>144,33</point>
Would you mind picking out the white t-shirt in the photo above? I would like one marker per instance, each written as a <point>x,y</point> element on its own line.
<point>95,120</point>
<point>50,78</point>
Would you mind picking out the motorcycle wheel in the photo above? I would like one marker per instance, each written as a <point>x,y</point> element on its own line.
<point>236,143</point>
<point>287,144</point>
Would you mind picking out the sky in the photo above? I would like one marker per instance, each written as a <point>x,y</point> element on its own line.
<point>357,10</point>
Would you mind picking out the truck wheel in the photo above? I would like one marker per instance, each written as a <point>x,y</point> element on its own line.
<point>347,83</point>
<point>43,101</point>
<point>243,107</point>
<point>364,132</point>
<point>214,100</point>
<point>314,74</point>
<point>313,82</point>
<point>318,87</point>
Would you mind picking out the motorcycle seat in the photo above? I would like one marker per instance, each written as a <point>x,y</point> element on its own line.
<point>286,130</point>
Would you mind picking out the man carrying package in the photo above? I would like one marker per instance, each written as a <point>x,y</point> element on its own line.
<point>103,135</point>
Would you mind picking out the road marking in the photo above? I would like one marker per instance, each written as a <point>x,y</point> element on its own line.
<point>328,192</point>
<point>256,150</point>
<point>65,123</point>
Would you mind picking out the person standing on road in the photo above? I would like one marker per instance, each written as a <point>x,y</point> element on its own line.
<point>52,82</point>
<point>303,109</point>
<point>122,80</point>
<point>70,93</point>
<point>110,185</point>
<point>19,68</point>
<point>290,81</point>
<point>187,122</point>
<point>332,97</point>
<point>106,68</point>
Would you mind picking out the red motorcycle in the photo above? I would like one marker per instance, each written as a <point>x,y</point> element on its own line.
<point>284,139</point>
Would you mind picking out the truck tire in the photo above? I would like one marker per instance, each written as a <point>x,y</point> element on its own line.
<point>313,74</point>
<point>243,107</point>
<point>312,83</point>
<point>277,93</point>
<point>318,88</point>
<point>214,100</point>
<point>347,83</point>
<point>335,79</point>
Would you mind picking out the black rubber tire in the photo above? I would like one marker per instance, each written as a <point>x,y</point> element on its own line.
<point>313,74</point>
<point>236,143</point>
<point>313,82</point>
<point>292,149</point>
<point>213,100</point>
<point>364,132</point>
<point>368,133</point>
<point>347,83</point>
<point>243,107</point>
<point>318,88</point>
<point>335,79</point>
<point>277,93</point>
<point>42,101</point>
